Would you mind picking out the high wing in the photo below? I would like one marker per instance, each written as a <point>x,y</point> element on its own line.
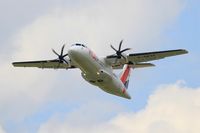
<point>150,56</point>
<point>50,64</point>
<point>141,58</point>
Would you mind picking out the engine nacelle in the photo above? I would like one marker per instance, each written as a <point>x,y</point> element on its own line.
<point>125,58</point>
<point>121,61</point>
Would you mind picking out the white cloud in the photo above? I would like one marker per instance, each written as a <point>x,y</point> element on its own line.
<point>2,130</point>
<point>99,23</point>
<point>171,108</point>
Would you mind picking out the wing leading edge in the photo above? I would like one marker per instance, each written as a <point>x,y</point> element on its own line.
<point>51,64</point>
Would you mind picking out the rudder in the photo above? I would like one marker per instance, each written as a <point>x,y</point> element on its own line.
<point>124,77</point>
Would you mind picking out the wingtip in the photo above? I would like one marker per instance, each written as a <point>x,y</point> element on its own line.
<point>13,63</point>
<point>184,51</point>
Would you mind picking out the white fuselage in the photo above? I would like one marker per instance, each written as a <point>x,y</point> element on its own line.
<point>96,71</point>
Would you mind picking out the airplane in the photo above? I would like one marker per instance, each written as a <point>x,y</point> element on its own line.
<point>98,71</point>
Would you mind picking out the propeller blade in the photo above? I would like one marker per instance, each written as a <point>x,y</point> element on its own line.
<point>55,52</point>
<point>119,52</point>
<point>113,48</point>
<point>123,57</point>
<point>119,56</point>
<point>125,50</point>
<point>65,61</point>
<point>62,50</point>
<point>65,55</point>
<point>61,56</point>
<point>120,45</point>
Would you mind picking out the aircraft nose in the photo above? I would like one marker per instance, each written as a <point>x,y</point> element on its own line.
<point>74,52</point>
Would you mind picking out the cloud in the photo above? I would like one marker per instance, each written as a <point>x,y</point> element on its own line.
<point>171,108</point>
<point>25,91</point>
<point>98,24</point>
<point>2,130</point>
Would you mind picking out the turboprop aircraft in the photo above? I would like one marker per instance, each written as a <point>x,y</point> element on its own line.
<point>98,71</point>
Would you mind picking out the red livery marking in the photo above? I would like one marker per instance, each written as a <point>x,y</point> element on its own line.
<point>123,90</point>
<point>125,74</point>
<point>93,54</point>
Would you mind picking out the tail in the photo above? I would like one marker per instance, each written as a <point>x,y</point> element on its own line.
<point>124,77</point>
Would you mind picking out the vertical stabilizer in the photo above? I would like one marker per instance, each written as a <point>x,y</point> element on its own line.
<point>124,77</point>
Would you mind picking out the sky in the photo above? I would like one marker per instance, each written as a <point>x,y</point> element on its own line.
<point>165,98</point>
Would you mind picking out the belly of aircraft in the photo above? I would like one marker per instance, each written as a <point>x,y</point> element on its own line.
<point>106,82</point>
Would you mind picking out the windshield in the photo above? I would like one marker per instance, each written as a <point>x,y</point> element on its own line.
<point>78,44</point>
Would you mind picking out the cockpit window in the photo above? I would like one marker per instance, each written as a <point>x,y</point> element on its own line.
<point>83,45</point>
<point>78,44</point>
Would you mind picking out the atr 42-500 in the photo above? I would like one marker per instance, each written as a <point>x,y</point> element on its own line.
<point>99,71</point>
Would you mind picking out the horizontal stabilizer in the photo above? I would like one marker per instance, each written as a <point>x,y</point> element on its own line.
<point>142,65</point>
<point>138,65</point>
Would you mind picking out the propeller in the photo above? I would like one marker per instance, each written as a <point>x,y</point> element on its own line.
<point>61,57</point>
<point>119,51</point>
